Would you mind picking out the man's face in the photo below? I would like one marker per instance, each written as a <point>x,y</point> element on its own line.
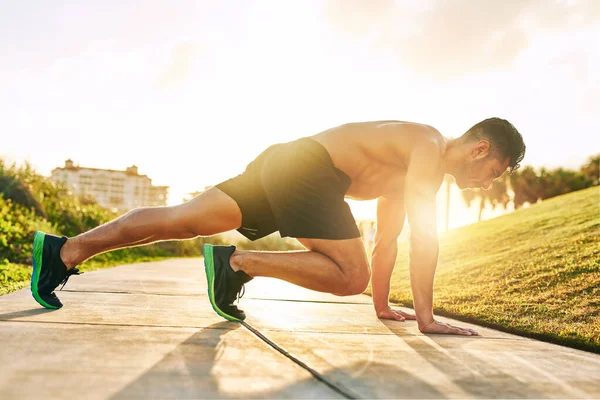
<point>479,171</point>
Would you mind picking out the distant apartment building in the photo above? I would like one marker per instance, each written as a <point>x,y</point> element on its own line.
<point>191,195</point>
<point>113,189</point>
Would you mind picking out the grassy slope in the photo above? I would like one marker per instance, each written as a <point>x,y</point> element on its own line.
<point>535,272</point>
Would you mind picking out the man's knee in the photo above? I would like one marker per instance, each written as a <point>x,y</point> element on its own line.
<point>350,257</point>
<point>357,278</point>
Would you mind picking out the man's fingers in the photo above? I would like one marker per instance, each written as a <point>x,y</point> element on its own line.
<point>472,332</point>
<point>392,314</point>
<point>445,328</point>
<point>405,314</point>
<point>455,330</point>
<point>460,327</point>
<point>461,331</point>
<point>398,316</point>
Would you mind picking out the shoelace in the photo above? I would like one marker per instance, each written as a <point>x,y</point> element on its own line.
<point>70,272</point>
<point>242,291</point>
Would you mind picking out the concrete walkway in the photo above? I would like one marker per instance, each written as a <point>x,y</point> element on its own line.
<point>148,331</point>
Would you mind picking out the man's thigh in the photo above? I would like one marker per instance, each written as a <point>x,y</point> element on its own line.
<point>209,213</point>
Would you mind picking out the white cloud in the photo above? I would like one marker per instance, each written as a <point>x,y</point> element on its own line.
<point>446,39</point>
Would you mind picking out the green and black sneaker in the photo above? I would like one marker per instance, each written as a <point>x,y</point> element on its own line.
<point>224,284</point>
<point>49,271</point>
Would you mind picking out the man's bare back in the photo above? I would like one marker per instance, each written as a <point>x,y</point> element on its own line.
<point>376,155</point>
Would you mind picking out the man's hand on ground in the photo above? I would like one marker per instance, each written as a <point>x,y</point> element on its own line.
<point>444,328</point>
<point>389,313</point>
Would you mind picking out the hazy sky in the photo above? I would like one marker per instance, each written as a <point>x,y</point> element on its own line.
<point>192,91</point>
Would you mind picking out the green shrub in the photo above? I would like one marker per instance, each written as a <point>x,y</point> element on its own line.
<point>12,276</point>
<point>17,225</point>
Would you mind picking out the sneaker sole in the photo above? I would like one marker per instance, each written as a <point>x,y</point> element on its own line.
<point>38,250</point>
<point>209,268</point>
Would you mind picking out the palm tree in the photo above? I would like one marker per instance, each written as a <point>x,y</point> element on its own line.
<point>592,169</point>
<point>527,186</point>
<point>496,195</point>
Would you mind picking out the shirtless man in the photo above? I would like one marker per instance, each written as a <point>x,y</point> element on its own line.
<point>298,188</point>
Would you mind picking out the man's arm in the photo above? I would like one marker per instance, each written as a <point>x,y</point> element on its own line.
<point>421,184</point>
<point>419,196</point>
<point>390,221</point>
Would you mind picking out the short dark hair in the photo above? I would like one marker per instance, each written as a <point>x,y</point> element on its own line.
<point>505,140</point>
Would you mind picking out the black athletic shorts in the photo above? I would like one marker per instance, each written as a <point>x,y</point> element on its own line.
<point>295,189</point>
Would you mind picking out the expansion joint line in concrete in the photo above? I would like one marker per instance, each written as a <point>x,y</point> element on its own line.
<point>314,373</point>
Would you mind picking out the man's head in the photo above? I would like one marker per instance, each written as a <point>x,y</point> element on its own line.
<point>493,146</point>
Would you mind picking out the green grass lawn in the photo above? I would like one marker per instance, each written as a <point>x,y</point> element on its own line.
<point>535,272</point>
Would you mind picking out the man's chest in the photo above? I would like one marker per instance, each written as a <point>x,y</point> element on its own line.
<point>382,180</point>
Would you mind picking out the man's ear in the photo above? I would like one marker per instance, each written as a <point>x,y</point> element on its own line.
<point>480,150</point>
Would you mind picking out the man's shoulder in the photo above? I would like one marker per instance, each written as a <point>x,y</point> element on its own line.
<point>416,135</point>
<point>429,142</point>
<point>427,157</point>
<point>429,137</point>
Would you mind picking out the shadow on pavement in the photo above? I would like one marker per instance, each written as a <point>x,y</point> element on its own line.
<point>25,313</point>
<point>476,377</point>
<point>203,367</point>
<point>185,372</point>
<point>373,380</point>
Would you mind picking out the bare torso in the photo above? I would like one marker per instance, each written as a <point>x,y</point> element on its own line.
<point>376,155</point>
